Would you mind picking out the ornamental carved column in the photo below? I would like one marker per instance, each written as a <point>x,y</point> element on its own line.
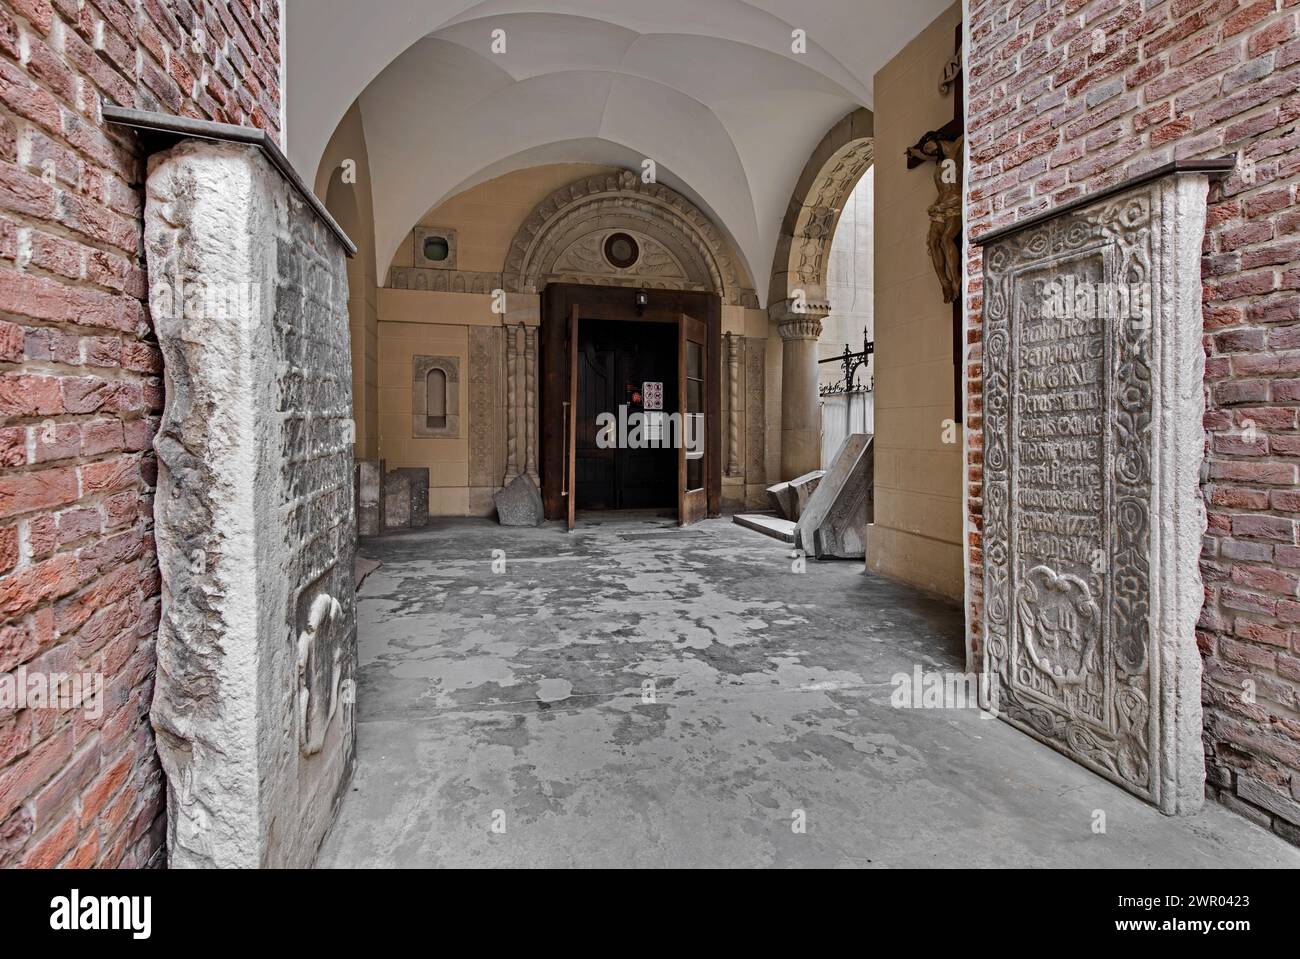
<point>800,406</point>
<point>530,403</point>
<point>734,467</point>
<point>514,362</point>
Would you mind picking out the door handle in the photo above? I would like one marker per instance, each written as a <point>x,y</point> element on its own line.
<point>564,491</point>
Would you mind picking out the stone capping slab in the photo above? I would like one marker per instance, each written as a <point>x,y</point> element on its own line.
<point>159,131</point>
<point>1212,167</point>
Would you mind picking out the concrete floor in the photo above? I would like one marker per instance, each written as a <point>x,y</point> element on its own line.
<point>515,698</point>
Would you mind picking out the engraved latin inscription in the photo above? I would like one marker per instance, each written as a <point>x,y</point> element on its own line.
<point>1059,478</point>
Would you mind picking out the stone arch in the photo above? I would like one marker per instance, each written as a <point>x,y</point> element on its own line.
<point>808,227</point>
<point>682,249</point>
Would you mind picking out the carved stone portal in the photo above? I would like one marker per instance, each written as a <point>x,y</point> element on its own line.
<point>1092,512</point>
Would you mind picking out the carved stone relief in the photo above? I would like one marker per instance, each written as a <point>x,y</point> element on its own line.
<point>1092,515</point>
<point>442,281</point>
<point>521,403</point>
<point>322,637</point>
<point>559,241</point>
<point>734,411</point>
<point>485,386</point>
<point>815,226</point>
<point>755,411</point>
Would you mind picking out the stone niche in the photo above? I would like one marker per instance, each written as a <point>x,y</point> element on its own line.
<point>254,511</point>
<point>1093,517</point>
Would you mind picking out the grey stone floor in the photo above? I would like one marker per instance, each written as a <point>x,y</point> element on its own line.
<point>515,698</point>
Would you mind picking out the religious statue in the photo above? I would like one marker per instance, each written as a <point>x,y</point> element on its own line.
<point>946,153</point>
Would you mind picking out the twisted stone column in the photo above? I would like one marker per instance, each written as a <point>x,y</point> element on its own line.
<point>800,405</point>
<point>734,467</point>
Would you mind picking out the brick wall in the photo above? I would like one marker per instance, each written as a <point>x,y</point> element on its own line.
<point>80,391</point>
<point>1068,97</point>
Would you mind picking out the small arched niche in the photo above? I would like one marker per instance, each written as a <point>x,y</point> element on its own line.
<point>435,397</point>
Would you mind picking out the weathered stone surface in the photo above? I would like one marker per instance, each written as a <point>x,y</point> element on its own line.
<point>254,514</point>
<point>1093,519</point>
<point>419,477</point>
<point>520,503</point>
<point>833,523</point>
<point>370,497</point>
<point>397,500</point>
<point>768,525</point>
<point>783,500</point>
<point>803,487</point>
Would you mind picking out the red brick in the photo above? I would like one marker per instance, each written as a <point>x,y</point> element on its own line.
<point>37,489</point>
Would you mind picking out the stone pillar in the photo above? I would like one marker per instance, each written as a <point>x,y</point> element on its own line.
<point>800,406</point>
<point>254,515</point>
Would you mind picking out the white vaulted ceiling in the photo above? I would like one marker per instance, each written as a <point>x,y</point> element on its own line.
<point>708,89</point>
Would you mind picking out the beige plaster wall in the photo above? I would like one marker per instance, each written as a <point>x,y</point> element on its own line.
<point>917,536</point>
<point>351,205</point>
<point>419,323</point>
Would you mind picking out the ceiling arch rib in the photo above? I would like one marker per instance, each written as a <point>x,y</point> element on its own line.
<point>478,113</point>
<point>336,48</point>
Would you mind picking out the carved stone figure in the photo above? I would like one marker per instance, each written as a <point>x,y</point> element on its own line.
<point>947,155</point>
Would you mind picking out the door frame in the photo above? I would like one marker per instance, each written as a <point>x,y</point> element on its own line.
<point>559,300</point>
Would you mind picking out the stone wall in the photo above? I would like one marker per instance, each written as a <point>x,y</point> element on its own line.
<point>80,394</point>
<point>1065,98</point>
<point>255,525</point>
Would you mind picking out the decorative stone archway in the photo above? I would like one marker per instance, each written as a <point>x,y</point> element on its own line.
<point>797,293</point>
<point>560,241</point>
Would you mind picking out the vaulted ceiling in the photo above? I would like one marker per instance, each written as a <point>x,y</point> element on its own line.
<point>711,90</point>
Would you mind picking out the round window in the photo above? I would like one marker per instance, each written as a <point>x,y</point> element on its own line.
<point>621,250</point>
<point>436,248</point>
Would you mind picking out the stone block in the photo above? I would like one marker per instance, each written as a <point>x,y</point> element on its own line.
<point>782,498</point>
<point>397,500</point>
<point>520,503</point>
<point>419,477</point>
<point>256,740</point>
<point>833,524</point>
<point>803,487</point>
<point>370,497</point>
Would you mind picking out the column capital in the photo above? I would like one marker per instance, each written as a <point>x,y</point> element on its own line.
<point>799,319</point>
<point>807,326</point>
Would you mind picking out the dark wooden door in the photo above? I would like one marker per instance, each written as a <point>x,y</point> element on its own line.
<point>570,419</point>
<point>617,303</point>
<point>692,463</point>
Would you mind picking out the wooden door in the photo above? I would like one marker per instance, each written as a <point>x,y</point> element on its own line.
<point>692,392</point>
<point>571,421</point>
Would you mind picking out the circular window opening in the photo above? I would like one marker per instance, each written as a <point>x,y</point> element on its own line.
<point>621,250</point>
<point>436,248</point>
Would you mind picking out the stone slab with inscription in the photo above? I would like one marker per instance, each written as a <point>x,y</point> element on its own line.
<point>1093,517</point>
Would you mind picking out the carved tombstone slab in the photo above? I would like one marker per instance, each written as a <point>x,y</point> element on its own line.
<point>419,477</point>
<point>1093,518</point>
<point>370,497</point>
